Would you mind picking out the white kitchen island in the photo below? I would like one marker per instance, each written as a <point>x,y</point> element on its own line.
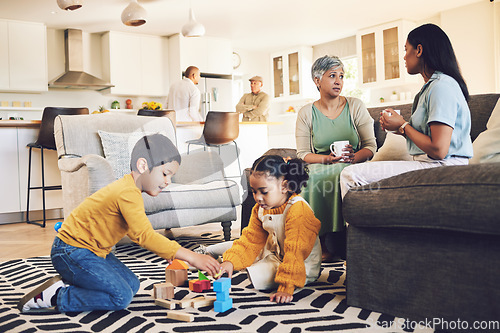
<point>253,141</point>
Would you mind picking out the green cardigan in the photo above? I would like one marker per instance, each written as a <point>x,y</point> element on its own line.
<point>360,117</point>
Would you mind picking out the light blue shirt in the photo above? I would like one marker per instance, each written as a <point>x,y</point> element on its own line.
<point>441,100</point>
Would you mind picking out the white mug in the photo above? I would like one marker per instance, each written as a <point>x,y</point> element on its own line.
<point>398,112</point>
<point>337,147</point>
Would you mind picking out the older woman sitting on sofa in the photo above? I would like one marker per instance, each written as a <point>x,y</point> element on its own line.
<point>329,119</point>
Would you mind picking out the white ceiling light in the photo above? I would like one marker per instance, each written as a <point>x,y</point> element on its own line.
<point>193,28</point>
<point>134,15</point>
<point>69,4</point>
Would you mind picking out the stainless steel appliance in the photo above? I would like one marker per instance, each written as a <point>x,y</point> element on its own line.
<point>216,94</point>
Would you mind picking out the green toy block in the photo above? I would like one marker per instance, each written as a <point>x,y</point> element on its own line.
<point>201,276</point>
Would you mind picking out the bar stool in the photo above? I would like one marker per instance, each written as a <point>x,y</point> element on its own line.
<point>158,113</point>
<point>46,140</point>
<point>221,128</point>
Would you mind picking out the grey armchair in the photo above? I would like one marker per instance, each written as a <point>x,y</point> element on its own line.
<point>199,193</point>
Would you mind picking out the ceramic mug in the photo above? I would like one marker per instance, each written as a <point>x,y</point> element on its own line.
<point>398,112</point>
<point>337,148</point>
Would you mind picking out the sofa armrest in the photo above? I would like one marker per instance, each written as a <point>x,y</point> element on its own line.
<point>81,177</point>
<point>453,198</point>
<point>199,168</point>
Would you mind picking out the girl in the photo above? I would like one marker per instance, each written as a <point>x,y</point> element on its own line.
<point>282,233</point>
<point>438,132</point>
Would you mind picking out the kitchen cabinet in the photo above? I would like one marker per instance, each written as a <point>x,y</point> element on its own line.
<point>291,73</point>
<point>15,182</point>
<point>380,54</point>
<point>211,55</point>
<point>135,64</point>
<point>10,171</point>
<point>23,56</point>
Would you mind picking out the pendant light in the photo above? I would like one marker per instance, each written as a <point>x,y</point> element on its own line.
<point>69,4</point>
<point>134,15</point>
<point>193,28</point>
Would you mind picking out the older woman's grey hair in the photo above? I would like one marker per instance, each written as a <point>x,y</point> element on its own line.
<point>321,65</point>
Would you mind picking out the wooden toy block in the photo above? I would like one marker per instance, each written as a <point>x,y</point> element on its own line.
<point>165,304</point>
<point>191,284</point>
<point>205,301</point>
<point>201,276</point>
<point>4,104</point>
<point>222,284</point>
<point>163,290</point>
<point>222,295</point>
<point>187,302</point>
<point>179,315</point>
<point>178,264</point>
<point>16,104</point>
<point>223,306</point>
<point>201,286</point>
<point>177,277</point>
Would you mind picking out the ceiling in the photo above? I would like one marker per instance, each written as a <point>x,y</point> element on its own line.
<point>253,25</point>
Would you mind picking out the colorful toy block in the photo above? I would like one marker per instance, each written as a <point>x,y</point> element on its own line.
<point>222,295</point>
<point>178,264</point>
<point>191,284</point>
<point>201,276</point>
<point>220,306</point>
<point>222,284</point>
<point>222,287</point>
<point>177,277</point>
<point>199,286</point>
<point>163,290</point>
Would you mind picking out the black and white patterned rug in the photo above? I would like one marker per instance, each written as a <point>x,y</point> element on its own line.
<point>319,307</point>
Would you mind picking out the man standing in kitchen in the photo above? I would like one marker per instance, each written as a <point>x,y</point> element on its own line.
<point>184,97</point>
<point>254,105</point>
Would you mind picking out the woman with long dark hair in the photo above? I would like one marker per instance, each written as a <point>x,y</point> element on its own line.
<point>438,132</point>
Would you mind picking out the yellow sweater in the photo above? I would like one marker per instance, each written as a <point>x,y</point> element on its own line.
<point>114,211</point>
<point>301,230</point>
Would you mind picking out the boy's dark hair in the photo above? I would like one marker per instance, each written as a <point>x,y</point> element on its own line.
<point>438,52</point>
<point>293,170</point>
<point>157,149</point>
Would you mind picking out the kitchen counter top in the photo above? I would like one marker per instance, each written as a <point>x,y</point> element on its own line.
<point>20,123</point>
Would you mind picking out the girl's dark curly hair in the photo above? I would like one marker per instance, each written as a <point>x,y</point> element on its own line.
<point>293,170</point>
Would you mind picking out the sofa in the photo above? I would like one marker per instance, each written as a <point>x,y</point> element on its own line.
<point>94,150</point>
<point>425,245</point>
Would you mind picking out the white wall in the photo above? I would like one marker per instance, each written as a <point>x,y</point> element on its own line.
<point>253,63</point>
<point>471,31</point>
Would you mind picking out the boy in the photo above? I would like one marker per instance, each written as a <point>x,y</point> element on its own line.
<point>81,253</point>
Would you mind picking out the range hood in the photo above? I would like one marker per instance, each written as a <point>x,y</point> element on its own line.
<point>74,77</point>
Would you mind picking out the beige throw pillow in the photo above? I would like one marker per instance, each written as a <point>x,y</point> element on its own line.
<point>393,149</point>
<point>118,148</point>
<point>487,144</point>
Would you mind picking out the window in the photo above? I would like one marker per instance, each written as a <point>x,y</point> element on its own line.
<point>351,81</point>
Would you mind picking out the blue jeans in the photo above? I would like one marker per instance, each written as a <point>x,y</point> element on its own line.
<point>95,283</point>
